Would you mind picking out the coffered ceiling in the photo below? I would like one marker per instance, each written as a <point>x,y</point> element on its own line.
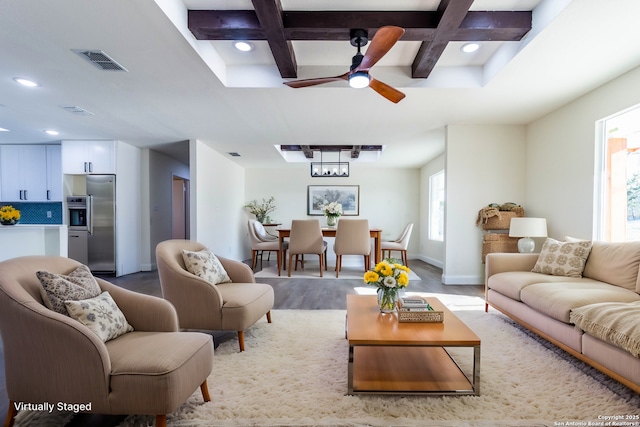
<point>184,80</point>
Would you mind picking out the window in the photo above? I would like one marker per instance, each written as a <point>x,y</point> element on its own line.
<point>436,206</point>
<point>618,184</point>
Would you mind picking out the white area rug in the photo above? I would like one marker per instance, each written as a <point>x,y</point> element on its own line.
<point>312,272</point>
<point>294,373</point>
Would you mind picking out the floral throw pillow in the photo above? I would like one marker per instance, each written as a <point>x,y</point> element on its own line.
<point>205,265</point>
<point>563,258</point>
<point>101,315</point>
<point>58,288</point>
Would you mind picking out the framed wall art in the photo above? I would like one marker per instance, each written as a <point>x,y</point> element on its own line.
<point>347,195</point>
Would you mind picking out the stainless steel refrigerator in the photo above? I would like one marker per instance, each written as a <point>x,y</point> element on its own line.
<point>101,241</point>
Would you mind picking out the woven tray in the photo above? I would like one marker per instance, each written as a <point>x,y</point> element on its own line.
<point>420,316</point>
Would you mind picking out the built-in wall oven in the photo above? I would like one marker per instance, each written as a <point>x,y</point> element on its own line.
<point>79,210</point>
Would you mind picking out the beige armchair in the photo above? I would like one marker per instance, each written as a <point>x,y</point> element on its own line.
<point>233,306</point>
<point>50,357</point>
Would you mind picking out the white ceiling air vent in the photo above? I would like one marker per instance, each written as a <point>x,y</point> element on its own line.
<point>100,60</point>
<point>77,110</point>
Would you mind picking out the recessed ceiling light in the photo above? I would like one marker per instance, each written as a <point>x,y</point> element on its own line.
<point>26,82</point>
<point>470,47</point>
<point>243,46</point>
<point>52,132</point>
<point>4,130</point>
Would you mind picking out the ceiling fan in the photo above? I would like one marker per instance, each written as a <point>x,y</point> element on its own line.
<point>358,76</point>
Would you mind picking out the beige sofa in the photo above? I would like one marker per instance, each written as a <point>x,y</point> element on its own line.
<point>550,305</point>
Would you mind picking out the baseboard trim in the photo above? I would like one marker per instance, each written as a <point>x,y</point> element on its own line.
<point>147,267</point>
<point>462,280</point>
<point>429,260</point>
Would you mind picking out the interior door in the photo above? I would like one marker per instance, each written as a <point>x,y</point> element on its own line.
<point>180,208</point>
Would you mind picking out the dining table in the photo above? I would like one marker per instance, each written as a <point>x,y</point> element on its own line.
<point>375,233</point>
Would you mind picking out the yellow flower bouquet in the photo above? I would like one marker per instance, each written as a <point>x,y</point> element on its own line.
<point>389,276</point>
<point>9,215</point>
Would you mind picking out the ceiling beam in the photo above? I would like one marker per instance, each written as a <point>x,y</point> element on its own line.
<point>308,152</point>
<point>269,13</point>
<point>452,13</point>
<point>451,22</point>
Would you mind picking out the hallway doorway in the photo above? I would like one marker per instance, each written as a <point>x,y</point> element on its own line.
<point>180,208</point>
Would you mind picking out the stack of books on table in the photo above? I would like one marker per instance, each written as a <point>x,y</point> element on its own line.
<point>414,304</point>
<point>417,309</point>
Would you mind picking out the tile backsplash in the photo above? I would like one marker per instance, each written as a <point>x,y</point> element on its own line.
<point>38,213</point>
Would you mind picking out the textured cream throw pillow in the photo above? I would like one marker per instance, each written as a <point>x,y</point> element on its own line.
<point>563,258</point>
<point>205,265</point>
<point>58,288</point>
<point>101,315</point>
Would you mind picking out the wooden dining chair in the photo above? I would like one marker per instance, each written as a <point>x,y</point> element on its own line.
<point>352,238</point>
<point>306,238</point>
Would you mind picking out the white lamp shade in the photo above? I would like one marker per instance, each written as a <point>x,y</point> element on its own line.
<point>528,227</point>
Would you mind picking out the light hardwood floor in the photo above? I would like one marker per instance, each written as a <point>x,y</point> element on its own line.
<point>315,294</point>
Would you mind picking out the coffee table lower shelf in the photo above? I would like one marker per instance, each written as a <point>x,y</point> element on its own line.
<point>408,370</point>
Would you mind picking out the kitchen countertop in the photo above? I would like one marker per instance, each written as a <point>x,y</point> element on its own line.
<point>2,227</point>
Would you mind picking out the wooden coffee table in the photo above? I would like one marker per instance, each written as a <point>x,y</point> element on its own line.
<point>388,357</point>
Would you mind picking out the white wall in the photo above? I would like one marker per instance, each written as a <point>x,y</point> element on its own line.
<point>560,157</point>
<point>389,199</point>
<point>484,164</point>
<point>431,251</point>
<point>217,197</point>
<point>128,209</point>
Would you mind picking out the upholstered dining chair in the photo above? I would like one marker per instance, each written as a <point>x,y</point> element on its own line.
<point>51,357</point>
<point>306,238</point>
<point>352,238</point>
<point>400,244</point>
<point>201,305</point>
<point>262,242</point>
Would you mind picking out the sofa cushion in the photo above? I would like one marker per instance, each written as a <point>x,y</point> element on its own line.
<point>100,314</point>
<point>562,258</point>
<point>613,322</point>
<point>58,288</point>
<point>556,300</point>
<point>616,263</point>
<point>205,265</point>
<point>510,283</point>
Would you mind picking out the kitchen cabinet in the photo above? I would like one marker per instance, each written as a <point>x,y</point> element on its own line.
<point>24,172</point>
<point>54,173</point>
<point>30,173</point>
<point>87,157</point>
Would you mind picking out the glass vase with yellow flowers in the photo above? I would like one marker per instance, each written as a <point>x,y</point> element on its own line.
<point>389,276</point>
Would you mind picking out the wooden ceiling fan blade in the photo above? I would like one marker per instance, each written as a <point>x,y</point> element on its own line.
<point>317,81</point>
<point>381,43</point>
<point>392,94</point>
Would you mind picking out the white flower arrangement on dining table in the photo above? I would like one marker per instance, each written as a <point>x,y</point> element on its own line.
<point>333,209</point>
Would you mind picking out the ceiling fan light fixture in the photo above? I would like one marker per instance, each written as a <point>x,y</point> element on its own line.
<point>359,79</point>
<point>243,46</point>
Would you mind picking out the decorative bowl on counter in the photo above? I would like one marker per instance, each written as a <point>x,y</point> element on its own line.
<point>9,215</point>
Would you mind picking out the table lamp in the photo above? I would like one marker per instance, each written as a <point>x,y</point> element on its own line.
<point>527,228</point>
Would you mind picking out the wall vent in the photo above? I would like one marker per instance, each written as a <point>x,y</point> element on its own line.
<point>233,154</point>
<point>77,110</point>
<point>100,59</point>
